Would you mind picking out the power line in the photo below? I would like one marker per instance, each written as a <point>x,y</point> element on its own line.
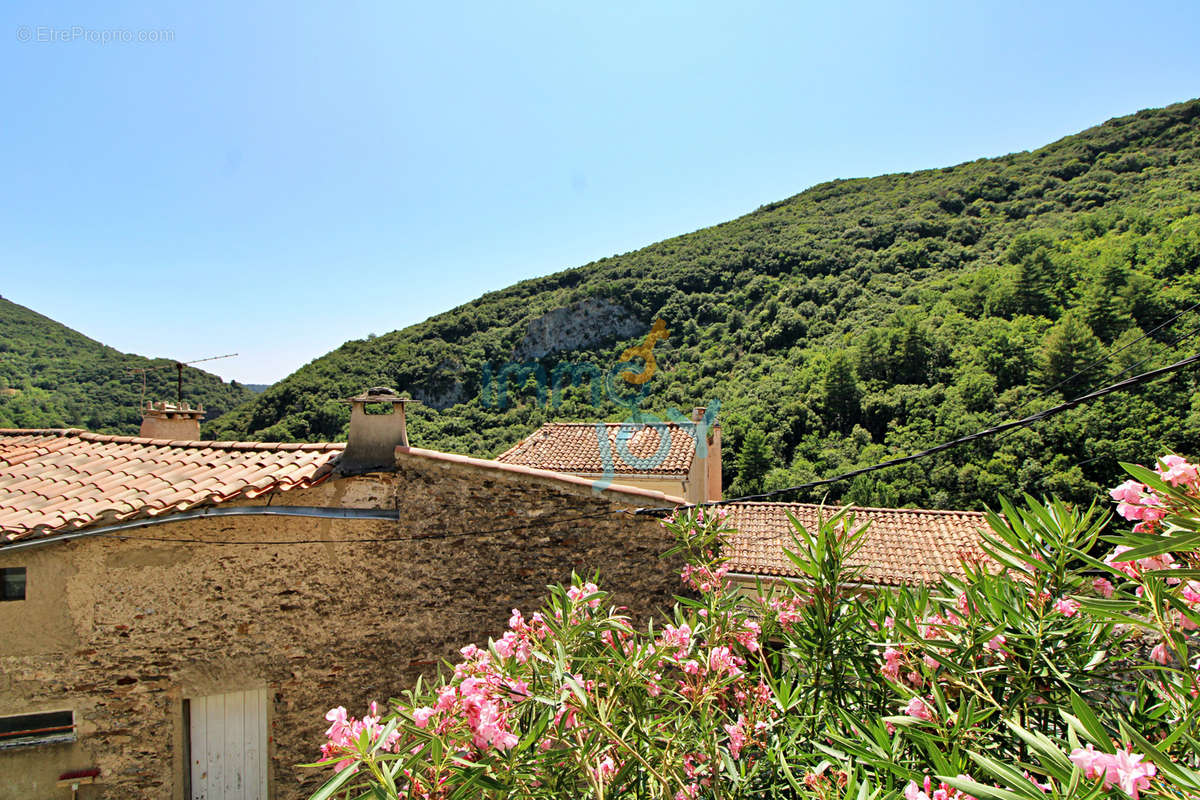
<point>1128,383</point>
<point>1174,342</point>
<point>1108,356</point>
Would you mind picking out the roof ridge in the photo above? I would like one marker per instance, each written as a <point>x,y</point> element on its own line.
<point>836,507</point>
<point>211,444</point>
<point>618,424</point>
<point>206,444</point>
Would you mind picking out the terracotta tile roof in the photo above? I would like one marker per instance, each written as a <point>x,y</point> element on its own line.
<point>56,480</point>
<point>902,546</point>
<point>631,448</point>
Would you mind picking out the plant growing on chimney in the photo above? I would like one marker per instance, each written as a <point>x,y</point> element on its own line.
<point>1045,672</point>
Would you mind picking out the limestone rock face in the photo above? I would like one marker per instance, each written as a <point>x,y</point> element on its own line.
<point>582,324</point>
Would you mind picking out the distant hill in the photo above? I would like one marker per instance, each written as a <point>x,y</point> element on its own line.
<point>257,388</point>
<point>52,376</point>
<point>857,320</point>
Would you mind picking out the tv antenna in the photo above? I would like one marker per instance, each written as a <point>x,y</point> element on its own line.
<point>178,365</point>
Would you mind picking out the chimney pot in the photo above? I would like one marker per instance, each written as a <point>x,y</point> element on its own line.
<point>373,438</point>
<point>170,421</point>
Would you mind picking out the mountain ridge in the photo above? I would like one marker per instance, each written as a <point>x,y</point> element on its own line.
<point>54,376</point>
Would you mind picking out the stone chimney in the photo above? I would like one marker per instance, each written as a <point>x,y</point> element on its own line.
<point>374,437</point>
<point>174,421</point>
<point>708,454</point>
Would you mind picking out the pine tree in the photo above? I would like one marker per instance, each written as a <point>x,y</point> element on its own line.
<point>840,393</point>
<point>1101,306</point>
<point>753,461</point>
<point>1070,345</point>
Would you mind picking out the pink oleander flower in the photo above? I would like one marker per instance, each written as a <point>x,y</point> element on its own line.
<point>1191,594</point>
<point>679,638</point>
<point>1130,492</point>
<point>893,661</point>
<point>737,737</point>
<point>1115,561</point>
<point>748,636</point>
<point>1066,606</point>
<point>1176,471</point>
<point>688,792</point>
<point>577,593</point>
<point>919,708</point>
<point>996,645</point>
<point>1103,587</point>
<point>1122,768</point>
<point>421,716</point>
<point>925,791</point>
<point>788,610</point>
<point>1160,654</point>
<point>722,661</point>
<point>1045,787</point>
<point>1135,501</point>
<point>963,604</point>
<point>603,772</point>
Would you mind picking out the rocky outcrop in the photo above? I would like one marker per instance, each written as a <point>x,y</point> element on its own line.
<point>580,325</point>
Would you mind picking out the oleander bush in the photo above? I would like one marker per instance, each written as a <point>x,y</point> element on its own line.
<point>1062,665</point>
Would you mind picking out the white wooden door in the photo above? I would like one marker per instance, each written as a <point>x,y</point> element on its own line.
<point>228,743</point>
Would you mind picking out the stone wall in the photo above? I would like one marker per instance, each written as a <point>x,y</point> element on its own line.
<point>121,630</point>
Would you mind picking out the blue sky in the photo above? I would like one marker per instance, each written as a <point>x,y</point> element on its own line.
<point>273,181</point>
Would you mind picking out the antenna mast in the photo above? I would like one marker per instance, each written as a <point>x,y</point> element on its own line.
<point>178,365</point>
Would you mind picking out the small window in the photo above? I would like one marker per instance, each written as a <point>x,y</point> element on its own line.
<point>12,583</point>
<point>45,728</point>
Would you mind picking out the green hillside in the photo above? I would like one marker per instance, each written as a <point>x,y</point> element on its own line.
<point>52,376</point>
<point>855,321</point>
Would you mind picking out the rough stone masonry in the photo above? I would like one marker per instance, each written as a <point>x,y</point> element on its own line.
<point>121,629</point>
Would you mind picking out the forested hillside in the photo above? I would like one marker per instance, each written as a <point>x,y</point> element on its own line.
<point>52,376</point>
<point>858,320</point>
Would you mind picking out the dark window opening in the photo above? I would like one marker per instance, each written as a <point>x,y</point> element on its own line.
<point>12,583</point>
<point>44,728</point>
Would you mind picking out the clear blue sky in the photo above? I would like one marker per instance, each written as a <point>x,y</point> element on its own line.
<point>274,181</point>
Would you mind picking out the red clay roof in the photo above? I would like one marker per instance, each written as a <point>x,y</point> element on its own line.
<point>902,546</point>
<point>631,448</point>
<point>55,480</point>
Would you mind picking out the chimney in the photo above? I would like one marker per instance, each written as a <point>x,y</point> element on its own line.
<point>174,421</point>
<point>709,452</point>
<point>374,438</point>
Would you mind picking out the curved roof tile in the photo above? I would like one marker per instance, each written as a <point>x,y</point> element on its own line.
<point>65,478</point>
<point>902,546</point>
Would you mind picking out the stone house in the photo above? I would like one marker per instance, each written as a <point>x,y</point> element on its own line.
<point>178,615</point>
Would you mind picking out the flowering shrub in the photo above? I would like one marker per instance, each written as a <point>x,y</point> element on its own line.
<point>1063,665</point>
